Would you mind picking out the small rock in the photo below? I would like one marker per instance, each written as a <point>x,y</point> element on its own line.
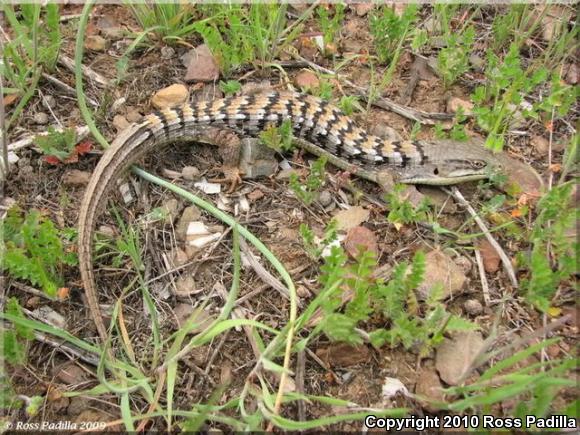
<point>120,123</point>
<point>392,387</point>
<point>464,263</point>
<point>439,199</point>
<point>412,195</point>
<point>133,115</point>
<point>429,386</point>
<point>351,217</point>
<point>170,96</point>
<point>454,103</point>
<point>167,52</point>
<point>49,101</point>
<point>185,286</point>
<point>303,292</point>
<point>477,62</point>
<point>473,307</point>
<point>571,76</point>
<point>363,8</point>
<point>40,118</point>
<point>325,198</point>
<point>359,238</point>
<point>117,104</point>
<point>110,27</point>
<point>178,257</point>
<point>256,159</point>
<point>455,356</point>
<point>95,43</point>
<point>190,214</point>
<point>382,130</point>
<point>70,374</point>
<point>541,144</point>
<point>441,271</point>
<point>489,256</point>
<point>75,177</point>
<point>343,355</point>
<point>182,313</point>
<point>107,231</point>
<point>77,405</point>
<point>307,80</point>
<point>33,302</point>
<point>190,173</point>
<point>226,373</point>
<point>202,66</point>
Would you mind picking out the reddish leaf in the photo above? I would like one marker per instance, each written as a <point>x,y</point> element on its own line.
<point>53,160</point>
<point>84,147</point>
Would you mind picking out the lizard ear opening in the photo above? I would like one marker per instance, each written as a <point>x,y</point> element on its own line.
<point>436,171</point>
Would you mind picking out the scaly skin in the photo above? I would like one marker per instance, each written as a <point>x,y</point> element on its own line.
<point>320,128</point>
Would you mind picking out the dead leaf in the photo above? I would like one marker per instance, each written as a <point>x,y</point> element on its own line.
<point>351,217</point>
<point>343,355</point>
<point>359,238</point>
<point>10,99</point>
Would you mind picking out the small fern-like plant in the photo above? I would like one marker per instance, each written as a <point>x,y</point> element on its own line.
<point>35,250</point>
<point>552,233</point>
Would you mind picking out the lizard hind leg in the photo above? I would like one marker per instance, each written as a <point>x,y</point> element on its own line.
<point>228,144</point>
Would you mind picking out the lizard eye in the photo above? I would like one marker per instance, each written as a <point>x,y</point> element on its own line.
<point>478,164</point>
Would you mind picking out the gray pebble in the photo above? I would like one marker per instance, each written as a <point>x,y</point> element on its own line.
<point>40,118</point>
<point>473,307</point>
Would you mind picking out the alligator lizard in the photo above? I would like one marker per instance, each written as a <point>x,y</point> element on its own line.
<point>320,127</point>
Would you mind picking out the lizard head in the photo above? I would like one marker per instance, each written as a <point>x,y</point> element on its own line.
<point>448,162</point>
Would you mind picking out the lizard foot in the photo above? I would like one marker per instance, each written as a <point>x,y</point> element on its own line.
<point>232,176</point>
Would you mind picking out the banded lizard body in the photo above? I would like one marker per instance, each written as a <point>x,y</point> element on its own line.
<point>320,128</point>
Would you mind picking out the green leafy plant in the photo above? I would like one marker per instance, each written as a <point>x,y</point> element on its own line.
<point>237,35</point>
<point>278,138</point>
<point>58,144</point>
<point>308,191</point>
<point>315,247</point>
<point>530,387</point>
<point>14,347</point>
<point>393,302</point>
<point>497,102</point>
<point>34,49</point>
<point>457,131</point>
<point>553,260</point>
<point>402,211</point>
<point>348,104</point>
<point>453,59</point>
<point>230,87</point>
<point>170,22</point>
<point>330,25</point>
<point>324,90</point>
<point>35,249</point>
<point>390,31</point>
